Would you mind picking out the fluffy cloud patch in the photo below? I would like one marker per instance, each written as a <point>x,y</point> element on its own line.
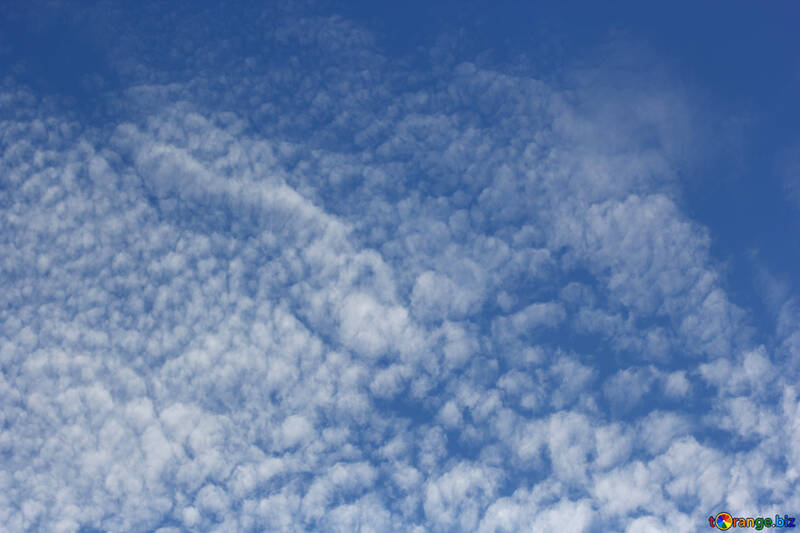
<point>318,289</point>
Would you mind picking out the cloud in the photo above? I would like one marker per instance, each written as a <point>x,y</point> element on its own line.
<point>327,290</point>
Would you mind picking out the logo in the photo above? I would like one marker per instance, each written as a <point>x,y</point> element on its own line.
<point>725,521</point>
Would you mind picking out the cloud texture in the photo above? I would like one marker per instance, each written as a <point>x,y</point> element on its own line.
<point>318,288</point>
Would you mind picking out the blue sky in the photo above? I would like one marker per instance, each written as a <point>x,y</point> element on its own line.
<point>457,267</point>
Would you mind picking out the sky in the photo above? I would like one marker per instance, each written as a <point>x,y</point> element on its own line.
<point>344,266</point>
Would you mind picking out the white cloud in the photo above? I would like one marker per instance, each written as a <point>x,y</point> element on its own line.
<point>358,305</point>
<point>457,498</point>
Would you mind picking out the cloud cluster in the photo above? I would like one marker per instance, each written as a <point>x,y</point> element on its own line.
<point>325,291</point>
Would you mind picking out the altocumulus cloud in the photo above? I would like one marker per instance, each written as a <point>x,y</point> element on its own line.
<point>285,283</point>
